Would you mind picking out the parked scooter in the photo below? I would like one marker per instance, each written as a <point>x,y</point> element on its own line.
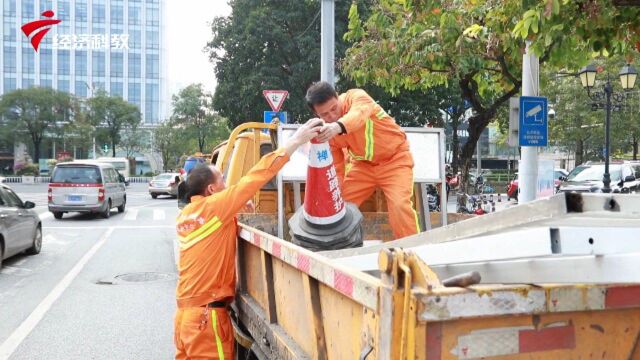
<point>453,182</point>
<point>433,198</point>
<point>475,204</point>
<point>479,183</point>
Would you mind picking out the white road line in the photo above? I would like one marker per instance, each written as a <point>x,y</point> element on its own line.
<point>17,337</point>
<point>110,227</point>
<point>12,269</point>
<point>45,216</point>
<point>131,214</point>
<point>158,214</point>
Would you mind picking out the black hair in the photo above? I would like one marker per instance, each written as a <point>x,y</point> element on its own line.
<point>319,93</point>
<point>199,178</point>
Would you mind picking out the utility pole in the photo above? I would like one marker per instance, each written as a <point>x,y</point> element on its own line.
<point>327,40</point>
<point>528,171</point>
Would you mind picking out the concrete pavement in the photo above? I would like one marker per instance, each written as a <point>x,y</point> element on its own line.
<point>100,288</point>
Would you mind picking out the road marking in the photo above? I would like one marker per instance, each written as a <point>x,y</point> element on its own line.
<point>45,216</point>
<point>131,214</point>
<point>17,337</point>
<point>12,269</point>
<point>110,227</point>
<point>158,214</point>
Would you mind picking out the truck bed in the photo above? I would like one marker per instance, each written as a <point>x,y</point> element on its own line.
<point>347,304</point>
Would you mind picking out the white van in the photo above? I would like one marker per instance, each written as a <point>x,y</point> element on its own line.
<point>86,186</point>
<point>120,164</point>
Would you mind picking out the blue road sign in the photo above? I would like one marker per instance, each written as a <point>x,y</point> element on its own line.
<point>279,115</point>
<point>533,121</point>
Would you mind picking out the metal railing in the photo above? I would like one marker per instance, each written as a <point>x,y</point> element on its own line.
<point>25,179</point>
<point>139,180</point>
<point>46,179</point>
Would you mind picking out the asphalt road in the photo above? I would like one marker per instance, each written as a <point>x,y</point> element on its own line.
<point>100,288</point>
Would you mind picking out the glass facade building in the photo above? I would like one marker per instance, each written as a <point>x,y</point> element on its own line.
<point>135,73</point>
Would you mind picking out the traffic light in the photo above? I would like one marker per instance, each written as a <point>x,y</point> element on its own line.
<point>105,147</point>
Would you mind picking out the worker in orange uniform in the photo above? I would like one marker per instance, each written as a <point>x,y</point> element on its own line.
<point>378,149</point>
<point>207,231</point>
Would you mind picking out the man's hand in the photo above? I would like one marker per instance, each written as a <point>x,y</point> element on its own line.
<point>305,132</point>
<point>328,131</point>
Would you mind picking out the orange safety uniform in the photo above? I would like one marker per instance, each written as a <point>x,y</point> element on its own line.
<point>380,157</point>
<point>208,231</point>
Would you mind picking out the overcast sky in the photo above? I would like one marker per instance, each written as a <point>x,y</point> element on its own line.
<point>187,32</point>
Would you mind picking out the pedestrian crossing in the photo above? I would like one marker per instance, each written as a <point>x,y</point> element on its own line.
<point>166,215</point>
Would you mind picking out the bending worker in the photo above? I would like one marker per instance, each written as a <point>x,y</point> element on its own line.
<point>378,149</point>
<point>208,231</point>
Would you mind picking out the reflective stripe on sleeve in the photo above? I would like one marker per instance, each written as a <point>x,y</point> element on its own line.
<point>368,135</point>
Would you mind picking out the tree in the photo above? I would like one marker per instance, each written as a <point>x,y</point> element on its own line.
<point>112,115</point>
<point>580,129</point>
<point>36,111</point>
<point>477,46</point>
<point>254,49</point>
<point>193,112</point>
<point>134,140</point>
<point>169,142</point>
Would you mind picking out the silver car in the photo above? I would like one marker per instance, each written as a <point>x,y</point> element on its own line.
<point>86,186</point>
<point>164,184</point>
<point>20,227</point>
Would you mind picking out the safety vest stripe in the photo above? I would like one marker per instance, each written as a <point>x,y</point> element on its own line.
<point>200,230</point>
<point>214,323</point>
<point>185,245</point>
<point>354,156</point>
<point>368,134</point>
<point>415,214</point>
<point>381,114</point>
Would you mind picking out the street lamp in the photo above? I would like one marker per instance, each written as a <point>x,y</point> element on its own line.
<point>603,100</point>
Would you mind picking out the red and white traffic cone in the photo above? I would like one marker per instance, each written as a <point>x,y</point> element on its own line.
<point>323,202</point>
<point>325,221</point>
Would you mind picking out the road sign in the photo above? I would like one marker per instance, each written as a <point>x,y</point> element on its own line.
<point>269,116</point>
<point>275,98</point>
<point>533,121</point>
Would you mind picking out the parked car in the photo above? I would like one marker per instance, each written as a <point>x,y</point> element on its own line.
<point>20,227</point>
<point>86,187</point>
<point>164,184</point>
<point>558,176</point>
<point>625,178</point>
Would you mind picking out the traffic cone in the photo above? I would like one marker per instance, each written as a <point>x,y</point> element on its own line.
<point>325,221</point>
<point>323,202</point>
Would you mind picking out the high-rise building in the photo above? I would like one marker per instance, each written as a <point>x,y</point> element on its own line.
<point>114,45</point>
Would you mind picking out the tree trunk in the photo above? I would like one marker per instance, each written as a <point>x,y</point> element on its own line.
<point>36,151</point>
<point>579,152</point>
<point>468,150</point>
<point>635,148</point>
<point>113,148</point>
<point>455,147</point>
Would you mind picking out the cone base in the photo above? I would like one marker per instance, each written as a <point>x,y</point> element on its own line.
<point>345,233</point>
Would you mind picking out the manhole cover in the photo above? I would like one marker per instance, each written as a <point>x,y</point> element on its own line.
<point>138,277</point>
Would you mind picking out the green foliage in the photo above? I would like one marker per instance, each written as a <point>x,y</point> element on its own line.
<point>29,170</point>
<point>579,129</point>
<point>169,141</point>
<point>478,46</point>
<point>36,111</point>
<point>579,29</point>
<point>134,140</point>
<point>255,49</point>
<point>112,114</point>
<point>193,113</point>
<point>267,45</point>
